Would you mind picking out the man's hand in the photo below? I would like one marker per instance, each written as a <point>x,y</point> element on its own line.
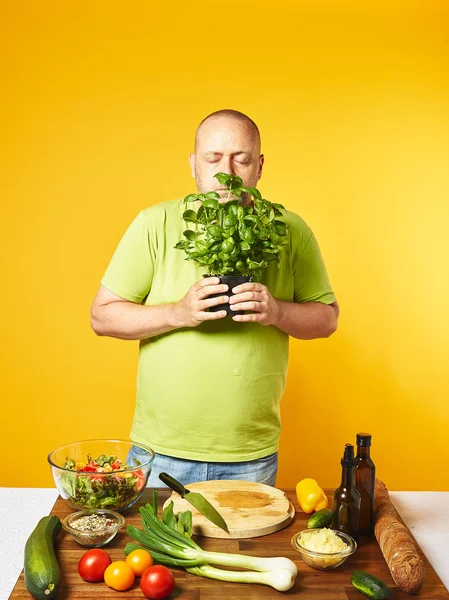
<point>192,309</point>
<point>305,321</point>
<point>255,297</point>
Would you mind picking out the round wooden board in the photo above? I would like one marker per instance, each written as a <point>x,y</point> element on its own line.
<point>249,509</point>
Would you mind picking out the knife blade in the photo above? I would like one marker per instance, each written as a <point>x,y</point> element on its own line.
<point>197,500</point>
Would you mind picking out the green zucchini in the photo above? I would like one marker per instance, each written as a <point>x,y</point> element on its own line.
<point>370,586</point>
<point>41,568</point>
<point>322,518</point>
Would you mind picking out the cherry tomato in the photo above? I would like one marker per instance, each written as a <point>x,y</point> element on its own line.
<point>119,576</point>
<point>93,564</point>
<point>139,561</point>
<point>157,582</point>
<point>140,483</point>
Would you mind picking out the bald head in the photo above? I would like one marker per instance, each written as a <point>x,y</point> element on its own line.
<point>230,118</point>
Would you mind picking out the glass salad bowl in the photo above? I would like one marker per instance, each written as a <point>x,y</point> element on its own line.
<point>94,474</point>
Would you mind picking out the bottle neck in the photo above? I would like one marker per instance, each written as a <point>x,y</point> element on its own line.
<point>363,451</point>
<point>347,477</point>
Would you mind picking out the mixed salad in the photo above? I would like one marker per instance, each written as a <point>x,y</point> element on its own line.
<point>102,483</point>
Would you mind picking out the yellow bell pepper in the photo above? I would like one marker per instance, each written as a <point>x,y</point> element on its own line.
<point>310,496</point>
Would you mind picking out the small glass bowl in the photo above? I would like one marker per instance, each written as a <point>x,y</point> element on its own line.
<point>324,560</point>
<point>93,539</point>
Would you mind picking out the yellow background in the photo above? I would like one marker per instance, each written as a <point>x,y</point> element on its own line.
<point>99,106</point>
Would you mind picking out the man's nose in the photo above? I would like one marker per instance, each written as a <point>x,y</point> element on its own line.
<point>227,165</point>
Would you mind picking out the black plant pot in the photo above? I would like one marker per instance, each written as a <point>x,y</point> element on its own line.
<point>231,281</point>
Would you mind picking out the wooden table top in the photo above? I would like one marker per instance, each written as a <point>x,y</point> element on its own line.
<point>311,584</point>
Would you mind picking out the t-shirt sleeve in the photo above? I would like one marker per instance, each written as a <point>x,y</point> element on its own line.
<point>130,272</point>
<point>310,276</point>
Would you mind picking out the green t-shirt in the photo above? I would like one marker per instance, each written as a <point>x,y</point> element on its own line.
<point>211,392</point>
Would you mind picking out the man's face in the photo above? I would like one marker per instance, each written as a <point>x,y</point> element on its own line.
<point>226,145</point>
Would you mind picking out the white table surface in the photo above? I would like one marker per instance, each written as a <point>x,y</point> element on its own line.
<point>21,509</point>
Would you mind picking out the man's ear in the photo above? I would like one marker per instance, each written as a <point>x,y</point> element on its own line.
<point>261,161</point>
<point>192,165</point>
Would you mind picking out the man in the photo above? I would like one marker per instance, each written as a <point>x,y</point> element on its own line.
<point>209,386</point>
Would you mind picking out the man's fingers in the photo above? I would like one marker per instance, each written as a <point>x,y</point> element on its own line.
<point>255,306</point>
<point>205,282</point>
<point>249,318</point>
<point>212,289</point>
<point>211,316</point>
<point>203,304</point>
<point>248,287</point>
<point>245,297</point>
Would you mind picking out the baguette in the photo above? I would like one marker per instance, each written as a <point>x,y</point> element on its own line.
<point>396,543</point>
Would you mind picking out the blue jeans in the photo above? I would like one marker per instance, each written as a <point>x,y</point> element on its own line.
<point>261,470</point>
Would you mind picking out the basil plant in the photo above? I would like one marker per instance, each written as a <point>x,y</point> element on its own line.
<point>233,238</point>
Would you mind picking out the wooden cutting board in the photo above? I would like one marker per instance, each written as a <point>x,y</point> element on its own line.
<point>249,509</point>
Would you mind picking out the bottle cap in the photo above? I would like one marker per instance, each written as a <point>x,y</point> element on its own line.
<point>348,457</point>
<point>363,439</point>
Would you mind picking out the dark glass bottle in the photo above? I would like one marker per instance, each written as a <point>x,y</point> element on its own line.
<point>346,508</point>
<point>365,475</point>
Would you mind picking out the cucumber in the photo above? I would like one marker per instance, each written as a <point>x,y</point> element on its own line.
<point>370,586</point>
<point>41,569</point>
<point>322,518</point>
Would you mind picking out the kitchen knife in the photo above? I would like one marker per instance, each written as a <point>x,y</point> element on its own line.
<point>197,500</point>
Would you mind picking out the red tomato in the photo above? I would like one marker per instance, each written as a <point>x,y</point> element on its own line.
<point>90,467</point>
<point>157,582</point>
<point>93,564</point>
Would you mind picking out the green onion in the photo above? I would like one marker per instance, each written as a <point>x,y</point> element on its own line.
<point>170,544</point>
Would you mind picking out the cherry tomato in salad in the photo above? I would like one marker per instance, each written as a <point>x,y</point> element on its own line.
<point>139,561</point>
<point>140,483</point>
<point>119,576</point>
<point>89,468</point>
<point>93,564</point>
<point>157,582</point>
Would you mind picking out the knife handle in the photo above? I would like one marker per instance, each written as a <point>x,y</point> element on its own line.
<point>173,484</point>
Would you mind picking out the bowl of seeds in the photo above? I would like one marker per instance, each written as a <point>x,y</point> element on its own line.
<point>93,528</point>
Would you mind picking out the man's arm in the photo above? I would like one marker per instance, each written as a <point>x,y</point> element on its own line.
<point>305,320</point>
<point>308,320</point>
<point>114,316</point>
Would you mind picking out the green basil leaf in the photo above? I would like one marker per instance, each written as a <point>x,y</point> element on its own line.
<point>182,245</point>
<point>223,178</point>
<point>233,208</point>
<point>211,203</point>
<point>253,191</point>
<point>214,231</point>
<point>191,198</point>
<point>252,218</point>
<point>227,245</point>
<point>190,216</point>
<point>190,235</point>
<point>229,221</point>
